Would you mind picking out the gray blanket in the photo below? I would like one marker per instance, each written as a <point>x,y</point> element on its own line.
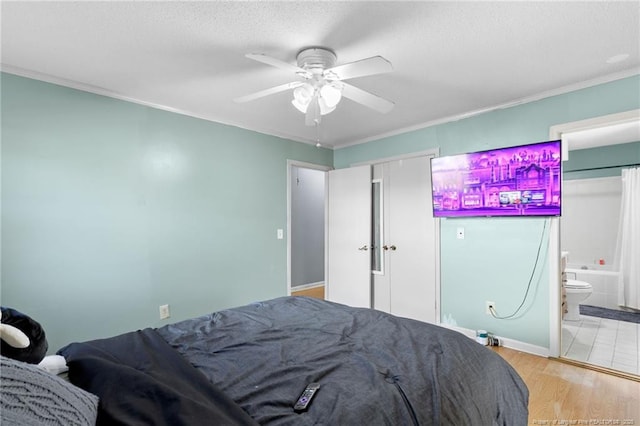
<point>373,368</point>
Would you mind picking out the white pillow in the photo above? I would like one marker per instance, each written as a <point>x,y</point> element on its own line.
<point>54,364</point>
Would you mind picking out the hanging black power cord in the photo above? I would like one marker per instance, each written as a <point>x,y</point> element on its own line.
<point>492,310</point>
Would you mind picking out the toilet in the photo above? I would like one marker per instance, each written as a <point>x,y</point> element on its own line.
<point>577,291</point>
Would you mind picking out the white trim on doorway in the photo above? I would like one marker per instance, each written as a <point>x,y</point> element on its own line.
<point>556,132</point>
<point>555,297</point>
<point>290,165</point>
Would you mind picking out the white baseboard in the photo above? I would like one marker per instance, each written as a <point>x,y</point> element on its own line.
<point>307,286</point>
<point>506,342</point>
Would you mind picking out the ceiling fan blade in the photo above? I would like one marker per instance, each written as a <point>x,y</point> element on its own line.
<point>278,64</point>
<point>312,117</point>
<point>367,99</point>
<point>361,68</point>
<point>269,91</point>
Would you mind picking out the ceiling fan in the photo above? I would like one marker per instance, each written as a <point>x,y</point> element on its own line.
<point>321,84</point>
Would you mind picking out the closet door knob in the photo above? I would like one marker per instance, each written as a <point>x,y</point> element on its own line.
<point>392,248</point>
<point>365,247</point>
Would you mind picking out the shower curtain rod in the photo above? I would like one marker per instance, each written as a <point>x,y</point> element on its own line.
<point>602,168</point>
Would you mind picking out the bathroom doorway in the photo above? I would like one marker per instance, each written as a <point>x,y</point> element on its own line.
<point>602,334</point>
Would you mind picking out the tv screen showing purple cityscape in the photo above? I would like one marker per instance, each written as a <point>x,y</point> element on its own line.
<point>515,181</point>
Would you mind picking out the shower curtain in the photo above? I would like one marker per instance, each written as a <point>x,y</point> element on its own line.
<point>627,256</point>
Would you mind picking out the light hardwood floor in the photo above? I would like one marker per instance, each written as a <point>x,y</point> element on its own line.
<point>565,394</point>
<point>317,292</point>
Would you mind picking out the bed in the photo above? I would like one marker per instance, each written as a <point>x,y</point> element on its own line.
<point>248,365</point>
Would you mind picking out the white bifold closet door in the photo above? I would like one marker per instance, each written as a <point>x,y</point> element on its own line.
<point>348,274</point>
<point>405,285</point>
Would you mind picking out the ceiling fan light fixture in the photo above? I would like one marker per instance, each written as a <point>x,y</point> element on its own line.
<point>299,106</point>
<point>302,95</point>
<point>325,108</point>
<point>331,93</point>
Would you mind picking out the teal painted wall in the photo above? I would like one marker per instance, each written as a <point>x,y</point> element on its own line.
<point>496,262</point>
<point>110,209</point>
<point>496,259</point>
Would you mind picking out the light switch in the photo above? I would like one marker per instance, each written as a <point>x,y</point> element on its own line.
<point>164,312</point>
<point>280,234</point>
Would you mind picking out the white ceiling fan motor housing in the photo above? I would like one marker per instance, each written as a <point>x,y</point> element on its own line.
<point>316,59</point>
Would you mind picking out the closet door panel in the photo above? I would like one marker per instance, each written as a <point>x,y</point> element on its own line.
<point>411,231</point>
<point>349,236</point>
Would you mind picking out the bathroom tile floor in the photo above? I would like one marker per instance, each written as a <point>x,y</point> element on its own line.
<point>603,342</point>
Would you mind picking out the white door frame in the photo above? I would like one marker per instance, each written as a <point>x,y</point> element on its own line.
<point>290,165</point>
<point>555,285</point>
<point>434,152</point>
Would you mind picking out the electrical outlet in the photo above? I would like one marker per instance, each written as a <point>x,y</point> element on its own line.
<point>488,306</point>
<point>164,312</point>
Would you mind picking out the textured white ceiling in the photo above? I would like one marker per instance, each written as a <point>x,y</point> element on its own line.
<point>450,58</point>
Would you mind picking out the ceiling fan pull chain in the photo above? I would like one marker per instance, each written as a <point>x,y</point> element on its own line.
<point>318,145</point>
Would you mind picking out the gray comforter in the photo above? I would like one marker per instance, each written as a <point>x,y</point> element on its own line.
<point>373,368</point>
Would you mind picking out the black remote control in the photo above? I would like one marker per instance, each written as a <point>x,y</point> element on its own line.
<point>305,399</point>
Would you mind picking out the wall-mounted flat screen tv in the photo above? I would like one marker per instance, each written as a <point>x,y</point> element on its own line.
<point>520,180</point>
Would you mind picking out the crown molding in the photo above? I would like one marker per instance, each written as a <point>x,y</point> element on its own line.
<point>22,72</point>
<point>549,93</point>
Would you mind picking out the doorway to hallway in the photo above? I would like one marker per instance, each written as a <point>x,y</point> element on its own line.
<point>306,196</point>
